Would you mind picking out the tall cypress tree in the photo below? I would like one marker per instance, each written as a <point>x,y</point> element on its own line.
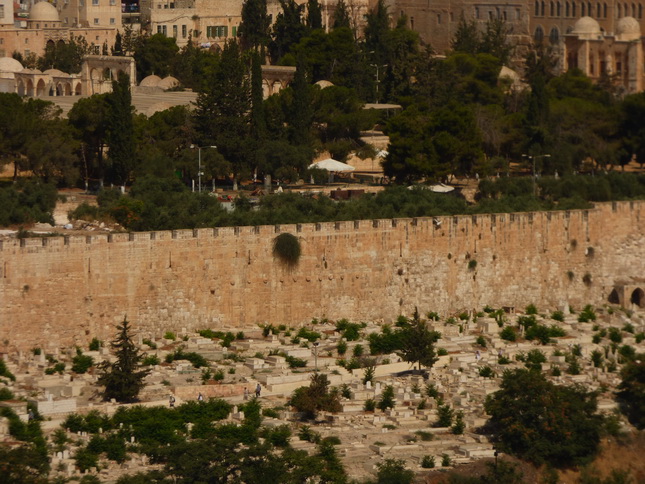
<point>120,129</point>
<point>301,116</point>
<point>314,15</point>
<point>224,106</point>
<point>341,16</point>
<point>123,379</point>
<point>254,28</point>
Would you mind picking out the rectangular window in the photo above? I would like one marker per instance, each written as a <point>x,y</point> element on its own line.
<point>518,14</point>
<point>235,31</point>
<point>2,11</point>
<point>184,31</point>
<point>164,29</point>
<point>112,21</point>
<point>26,41</point>
<point>438,19</point>
<point>174,31</point>
<point>81,3</point>
<point>66,20</point>
<point>217,31</point>
<point>113,2</point>
<point>95,2</point>
<point>96,21</point>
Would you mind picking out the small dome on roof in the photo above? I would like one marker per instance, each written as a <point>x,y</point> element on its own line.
<point>150,81</point>
<point>54,72</point>
<point>9,64</point>
<point>168,83</point>
<point>586,25</point>
<point>628,27</point>
<point>44,12</point>
<point>323,84</point>
<point>30,71</point>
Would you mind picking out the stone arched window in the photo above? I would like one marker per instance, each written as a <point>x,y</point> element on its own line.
<point>573,9</point>
<point>598,12</point>
<point>551,9</point>
<point>567,11</point>
<point>638,297</point>
<point>539,34</point>
<point>558,9</point>
<point>633,10</point>
<point>604,10</point>
<point>589,9</point>
<point>543,8</point>
<point>614,298</point>
<point>554,35</point>
<point>537,9</point>
<point>582,9</point>
<point>619,11</point>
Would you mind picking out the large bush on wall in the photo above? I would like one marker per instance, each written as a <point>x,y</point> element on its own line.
<point>286,248</point>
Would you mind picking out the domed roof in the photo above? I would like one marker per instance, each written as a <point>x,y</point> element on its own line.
<point>586,25</point>
<point>150,81</point>
<point>628,26</point>
<point>55,73</point>
<point>9,64</point>
<point>168,83</point>
<point>44,12</point>
<point>323,84</point>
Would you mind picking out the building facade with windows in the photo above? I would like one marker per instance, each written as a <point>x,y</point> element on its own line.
<point>43,26</point>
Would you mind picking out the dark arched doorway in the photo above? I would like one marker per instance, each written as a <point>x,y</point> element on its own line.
<point>638,297</point>
<point>614,298</point>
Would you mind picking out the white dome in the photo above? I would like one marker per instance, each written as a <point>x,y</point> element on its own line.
<point>586,25</point>
<point>323,84</point>
<point>55,73</point>
<point>150,81</point>
<point>628,26</point>
<point>44,12</point>
<point>9,64</point>
<point>168,83</point>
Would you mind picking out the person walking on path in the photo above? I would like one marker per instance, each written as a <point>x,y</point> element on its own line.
<point>258,389</point>
<point>171,401</point>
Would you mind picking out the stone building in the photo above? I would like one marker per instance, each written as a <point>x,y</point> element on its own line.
<point>617,55</point>
<point>44,26</point>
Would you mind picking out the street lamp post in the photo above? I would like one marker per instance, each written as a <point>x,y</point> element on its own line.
<point>199,165</point>
<point>377,79</point>
<point>315,351</point>
<point>533,158</point>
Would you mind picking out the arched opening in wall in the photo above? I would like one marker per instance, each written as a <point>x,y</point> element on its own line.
<point>614,298</point>
<point>266,89</point>
<point>78,90</point>
<point>40,88</point>
<point>30,88</point>
<point>638,297</point>
<point>68,89</point>
<point>21,88</point>
<point>539,35</point>
<point>118,73</point>
<point>554,36</point>
<point>60,43</point>
<point>50,44</point>
<point>619,11</point>
<point>107,74</point>
<point>95,75</point>
<point>60,90</point>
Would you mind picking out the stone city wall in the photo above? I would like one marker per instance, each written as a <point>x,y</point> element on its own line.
<point>66,290</point>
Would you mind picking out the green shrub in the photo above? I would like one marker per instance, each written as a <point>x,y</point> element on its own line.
<point>358,350</point>
<point>82,363</point>
<point>472,264</point>
<point>509,333</point>
<point>294,362</point>
<point>639,337</point>
<point>424,435</point>
<point>531,309</point>
<point>196,359</point>
<point>442,351</point>
<point>587,314</point>
<point>286,248</point>
<point>170,335</point>
<point>486,372</point>
<point>557,316</point>
<point>481,341</point>
<point>6,394</point>
<point>596,358</point>
<point>4,371</point>
<point>310,336</point>
<point>431,390</point>
<point>445,415</point>
<point>147,341</point>
<point>445,460</point>
<point>503,360</point>
<point>615,335</point>
<point>387,398</point>
<point>428,462</point>
<point>218,375</point>
<point>459,426</point>
<point>95,344</point>
<point>628,328</point>
<point>370,405</point>
<point>151,360</point>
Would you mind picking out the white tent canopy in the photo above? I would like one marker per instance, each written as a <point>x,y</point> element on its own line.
<point>332,165</point>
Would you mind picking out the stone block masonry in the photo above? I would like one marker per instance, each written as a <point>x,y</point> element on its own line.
<point>66,290</point>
